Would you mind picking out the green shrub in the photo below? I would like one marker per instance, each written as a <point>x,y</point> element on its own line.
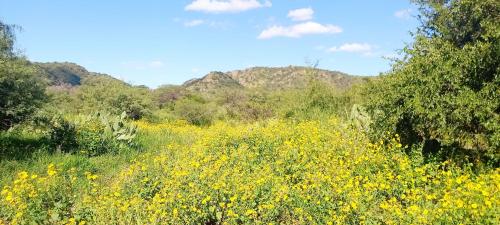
<point>105,94</point>
<point>91,135</point>
<point>195,111</point>
<point>62,134</point>
<point>21,91</point>
<point>100,133</point>
<point>92,138</point>
<point>444,93</point>
<point>245,105</point>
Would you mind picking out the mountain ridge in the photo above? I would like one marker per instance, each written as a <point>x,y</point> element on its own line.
<point>271,78</point>
<point>268,78</point>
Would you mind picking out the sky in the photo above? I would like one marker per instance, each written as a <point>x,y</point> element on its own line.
<point>155,42</point>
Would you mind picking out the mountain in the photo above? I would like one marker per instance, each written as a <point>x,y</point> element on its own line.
<point>271,78</point>
<point>67,73</point>
<point>268,78</point>
<point>212,81</point>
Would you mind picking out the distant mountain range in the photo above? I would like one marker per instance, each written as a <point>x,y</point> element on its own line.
<point>269,78</point>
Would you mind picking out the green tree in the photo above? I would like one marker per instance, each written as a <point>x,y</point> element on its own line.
<point>22,92</point>
<point>100,93</point>
<point>7,38</point>
<point>444,93</point>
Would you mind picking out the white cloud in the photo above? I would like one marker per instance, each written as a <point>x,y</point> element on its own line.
<point>226,6</point>
<point>302,14</point>
<point>353,47</point>
<point>193,23</point>
<point>403,14</point>
<point>299,30</point>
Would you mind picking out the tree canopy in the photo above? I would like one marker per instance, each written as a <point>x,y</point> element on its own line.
<point>21,90</point>
<point>444,93</point>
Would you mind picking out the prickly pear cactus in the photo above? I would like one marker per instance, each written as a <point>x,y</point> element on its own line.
<point>360,119</point>
<point>119,127</point>
<point>122,130</point>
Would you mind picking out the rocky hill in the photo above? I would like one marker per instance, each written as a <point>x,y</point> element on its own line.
<point>212,81</point>
<point>67,73</point>
<point>271,78</point>
<point>267,78</point>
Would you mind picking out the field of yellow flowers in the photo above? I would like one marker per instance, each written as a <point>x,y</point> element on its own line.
<point>271,172</point>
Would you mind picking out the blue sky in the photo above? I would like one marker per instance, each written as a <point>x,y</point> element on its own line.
<point>156,42</point>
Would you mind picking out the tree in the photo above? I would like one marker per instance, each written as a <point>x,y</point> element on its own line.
<point>21,91</point>
<point>7,38</point>
<point>102,93</point>
<point>444,93</point>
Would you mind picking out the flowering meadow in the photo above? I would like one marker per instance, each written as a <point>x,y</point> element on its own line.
<point>268,172</point>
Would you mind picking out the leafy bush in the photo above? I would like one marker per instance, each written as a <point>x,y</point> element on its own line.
<point>105,94</point>
<point>62,134</point>
<point>444,93</point>
<point>319,100</point>
<point>360,119</point>
<point>7,37</point>
<point>245,105</point>
<point>91,135</point>
<point>99,134</point>
<point>21,92</point>
<point>195,111</point>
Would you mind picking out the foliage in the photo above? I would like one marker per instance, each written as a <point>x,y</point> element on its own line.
<point>90,135</point>
<point>98,134</point>
<point>21,91</point>
<point>195,110</point>
<point>18,145</point>
<point>166,96</point>
<point>62,134</point>
<point>295,163</point>
<point>7,38</point>
<point>276,172</point>
<point>120,128</point>
<point>318,100</point>
<point>100,93</point>
<point>244,105</point>
<point>444,92</point>
<point>360,119</point>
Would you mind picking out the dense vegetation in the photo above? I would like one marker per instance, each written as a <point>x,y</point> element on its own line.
<point>419,144</point>
<point>444,93</point>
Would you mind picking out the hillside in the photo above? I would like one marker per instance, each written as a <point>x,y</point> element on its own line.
<point>271,78</point>
<point>212,81</point>
<point>67,73</point>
